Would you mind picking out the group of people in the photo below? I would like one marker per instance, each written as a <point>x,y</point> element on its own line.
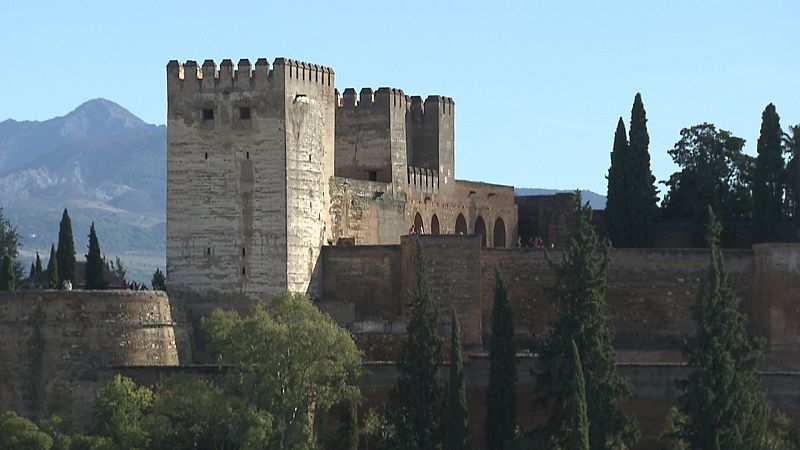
<point>416,230</point>
<point>133,286</point>
<point>536,242</point>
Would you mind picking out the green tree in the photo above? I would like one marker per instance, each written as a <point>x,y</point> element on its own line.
<point>9,237</point>
<point>119,269</point>
<point>159,283</point>
<point>641,207</point>
<point>19,433</point>
<point>8,277</point>
<point>415,401</point>
<point>95,276</point>
<point>768,179</point>
<point>65,252</point>
<point>721,404</point>
<point>66,438</point>
<point>501,396</point>
<point>579,426</point>
<point>792,177</point>
<point>457,433</point>
<point>616,203</point>
<point>119,409</point>
<point>713,171</point>
<point>291,361</point>
<point>347,435</point>
<point>52,268</point>
<point>38,267</point>
<point>578,298</point>
<point>189,412</point>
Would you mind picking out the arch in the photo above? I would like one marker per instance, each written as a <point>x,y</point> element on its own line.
<point>499,233</point>
<point>461,224</point>
<point>434,224</point>
<point>418,228</point>
<point>480,230</point>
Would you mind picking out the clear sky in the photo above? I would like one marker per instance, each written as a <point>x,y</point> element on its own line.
<point>538,85</point>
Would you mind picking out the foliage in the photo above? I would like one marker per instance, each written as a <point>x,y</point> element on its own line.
<point>52,268</point>
<point>9,237</point>
<point>378,432</point>
<point>501,404</point>
<point>347,435</point>
<point>8,276</point>
<point>159,282</point>
<point>65,252</point>
<point>457,431</point>
<point>19,433</point>
<point>768,179</point>
<point>578,298</point>
<point>65,438</point>
<point>641,206</point>
<point>721,406</point>
<point>189,412</point>
<point>415,401</point>
<point>291,362</point>
<point>120,407</point>
<point>119,269</point>
<point>579,426</point>
<point>616,203</point>
<point>95,275</point>
<point>37,267</point>
<point>714,171</point>
<point>792,177</point>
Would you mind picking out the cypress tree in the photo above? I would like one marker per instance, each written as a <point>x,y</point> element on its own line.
<point>616,203</point>
<point>641,208</point>
<point>95,277</point>
<point>159,283</point>
<point>457,434</point>
<point>8,281</point>
<point>65,253</point>
<point>579,435</point>
<point>721,404</point>
<point>52,269</point>
<point>768,180</point>
<point>501,396</point>
<point>415,402</point>
<point>578,297</point>
<point>38,266</point>
<point>32,272</point>
<point>792,178</point>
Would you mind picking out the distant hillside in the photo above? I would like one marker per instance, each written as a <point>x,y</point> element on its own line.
<point>596,200</point>
<point>102,163</point>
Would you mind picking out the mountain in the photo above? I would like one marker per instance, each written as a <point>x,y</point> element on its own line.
<point>102,163</point>
<point>597,201</point>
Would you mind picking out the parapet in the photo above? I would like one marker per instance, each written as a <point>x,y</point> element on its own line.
<point>189,77</point>
<point>368,99</point>
<point>444,105</point>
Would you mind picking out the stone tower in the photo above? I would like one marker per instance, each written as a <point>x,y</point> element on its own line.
<point>249,161</point>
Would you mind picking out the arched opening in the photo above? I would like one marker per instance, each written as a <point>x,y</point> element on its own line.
<point>480,230</point>
<point>499,233</point>
<point>461,225</point>
<point>418,227</point>
<point>434,225</point>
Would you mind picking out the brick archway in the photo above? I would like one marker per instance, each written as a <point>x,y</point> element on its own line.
<point>461,224</point>
<point>480,230</point>
<point>499,233</point>
<point>434,224</point>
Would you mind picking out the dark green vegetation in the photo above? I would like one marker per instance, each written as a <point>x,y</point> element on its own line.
<point>159,282</point>
<point>578,297</point>
<point>501,397</point>
<point>65,252</point>
<point>632,200</point>
<point>579,428</point>
<point>52,268</point>
<point>95,278</point>
<point>414,409</point>
<point>457,432</point>
<point>768,185</point>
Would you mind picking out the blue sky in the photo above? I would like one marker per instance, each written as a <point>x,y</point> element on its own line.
<point>538,85</point>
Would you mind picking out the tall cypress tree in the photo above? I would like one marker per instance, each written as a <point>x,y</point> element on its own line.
<point>501,396</point>
<point>641,208</point>
<point>415,402</point>
<point>792,207</point>
<point>579,428</point>
<point>52,269</point>
<point>578,298</point>
<point>95,278</point>
<point>38,266</point>
<point>457,433</point>
<point>768,179</point>
<point>32,272</point>
<point>721,404</point>
<point>65,253</point>
<point>616,196</point>
<point>8,278</point>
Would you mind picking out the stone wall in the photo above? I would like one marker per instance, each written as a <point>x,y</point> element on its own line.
<point>367,212</point>
<point>53,345</point>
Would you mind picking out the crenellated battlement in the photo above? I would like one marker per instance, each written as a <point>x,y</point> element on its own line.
<point>439,103</point>
<point>367,98</point>
<point>190,77</point>
<point>422,179</point>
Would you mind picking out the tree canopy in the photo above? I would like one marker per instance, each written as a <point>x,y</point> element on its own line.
<point>65,252</point>
<point>768,179</point>
<point>501,396</point>
<point>95,273</point>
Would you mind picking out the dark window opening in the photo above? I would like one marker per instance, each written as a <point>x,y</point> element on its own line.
<point>248,155</point>
<point>208,114</point>
<point>373,175</point>
<point>208,251</point>
<point>244,253</point>
<point>206,155</point>
<point>244,271</point>
<point>244,113</point>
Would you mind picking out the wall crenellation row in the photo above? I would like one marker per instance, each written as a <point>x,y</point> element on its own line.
<point>367,98</point>
<point>209,77</point>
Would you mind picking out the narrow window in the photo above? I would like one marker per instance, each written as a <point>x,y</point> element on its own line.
<point>248,155</point>
<point>208,251</point>
<point>208,114</point>
<point>373,175</point>
<point>206,155</point>
<point>244,113</point>
<point>244,271</point>
<point>244,253</point>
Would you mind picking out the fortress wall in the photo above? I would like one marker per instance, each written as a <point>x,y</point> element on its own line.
<point>433,126</point>
<point>776,312</point>
<point>363,136</point>
<point>650,291</point>
<point>367,212</point>
<point>54,343</point>
<point>226,179</point>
